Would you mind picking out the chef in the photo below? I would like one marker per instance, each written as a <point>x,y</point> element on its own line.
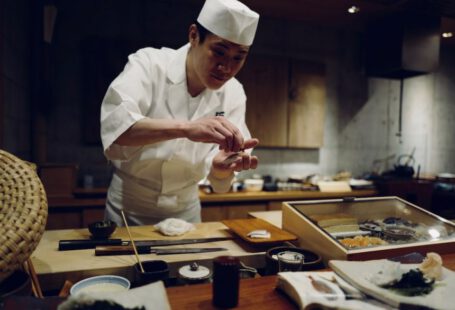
<point>173,117</point>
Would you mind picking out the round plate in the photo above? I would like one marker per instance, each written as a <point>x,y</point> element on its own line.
<point>107,283</point>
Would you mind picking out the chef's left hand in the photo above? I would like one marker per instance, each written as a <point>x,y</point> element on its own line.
<point>224,163</point>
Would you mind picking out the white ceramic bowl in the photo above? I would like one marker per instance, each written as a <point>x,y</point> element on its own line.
<point>253,185</point>
<point>101,284</point>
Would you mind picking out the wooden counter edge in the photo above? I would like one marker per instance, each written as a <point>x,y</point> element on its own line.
<point>281,195</point>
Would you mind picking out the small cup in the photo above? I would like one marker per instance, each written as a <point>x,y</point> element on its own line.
<point>290,261</point>
<point>154,270</point>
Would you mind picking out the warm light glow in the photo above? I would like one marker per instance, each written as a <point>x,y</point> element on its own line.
<point>354,9</point>
<point>447,34</point>
<point>434,233</point>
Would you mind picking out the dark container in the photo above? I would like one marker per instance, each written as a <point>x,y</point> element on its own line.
<point>226,281</point>
<point>17,284</point>
<point>154,270</point>
<point>102,229</point>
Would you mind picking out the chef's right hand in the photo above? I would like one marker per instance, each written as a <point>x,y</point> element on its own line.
<point>215,129</point>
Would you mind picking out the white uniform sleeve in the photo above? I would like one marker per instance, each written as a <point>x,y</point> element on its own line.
<point>126,102</point>
<point>236,109</point>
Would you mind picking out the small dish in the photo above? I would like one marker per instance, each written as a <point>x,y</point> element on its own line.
<point>399,233</point>
<point>102,229</point>
<point>312,260</point>
<point>154,270</point>
<point>101,284</point>
<point>253,185</point>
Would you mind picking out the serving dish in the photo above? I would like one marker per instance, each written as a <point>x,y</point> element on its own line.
<point>361,275</point>
<point>101,284</point>
<point>367,228</point>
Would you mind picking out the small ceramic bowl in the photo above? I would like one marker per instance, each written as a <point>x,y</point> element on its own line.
<point>101,284</point>
<point>17,284</point>
<point>312,260</point>
<point>253,185</point>
<point>154,270</point>
<point>102,229</point>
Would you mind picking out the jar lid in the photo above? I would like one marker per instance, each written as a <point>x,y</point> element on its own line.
<point>190,272</point>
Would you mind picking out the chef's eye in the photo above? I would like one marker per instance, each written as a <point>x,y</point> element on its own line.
<point>219,52</point>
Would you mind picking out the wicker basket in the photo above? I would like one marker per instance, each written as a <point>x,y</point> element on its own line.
<point>23,212</point>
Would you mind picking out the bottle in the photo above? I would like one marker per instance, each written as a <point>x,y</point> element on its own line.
<point>225,281</point>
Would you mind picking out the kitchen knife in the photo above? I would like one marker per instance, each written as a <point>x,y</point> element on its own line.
<point>81,244</point>
<point>128,250</point>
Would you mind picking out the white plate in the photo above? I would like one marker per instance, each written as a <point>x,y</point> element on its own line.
<point>101,284</point>
<point>359,274</point>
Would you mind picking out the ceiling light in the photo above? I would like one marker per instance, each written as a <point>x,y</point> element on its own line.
<point>447,34</point>
<point>354,9</point>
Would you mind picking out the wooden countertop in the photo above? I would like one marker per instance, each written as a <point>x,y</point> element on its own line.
<point>54,267</point>
<point>281,195</point>
<point>257,293</point>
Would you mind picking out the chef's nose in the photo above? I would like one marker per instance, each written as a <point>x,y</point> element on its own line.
<point>224,67</point>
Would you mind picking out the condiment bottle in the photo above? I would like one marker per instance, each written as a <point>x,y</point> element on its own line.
<point>225,281</point>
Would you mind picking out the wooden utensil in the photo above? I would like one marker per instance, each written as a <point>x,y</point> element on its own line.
<point>242,227</point>
<point>132,242</point>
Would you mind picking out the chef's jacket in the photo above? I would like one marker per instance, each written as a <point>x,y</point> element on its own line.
<point>160,180</point>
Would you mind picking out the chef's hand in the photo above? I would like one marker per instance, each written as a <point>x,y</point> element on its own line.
<point>215,129</point>
<point>225,163</point>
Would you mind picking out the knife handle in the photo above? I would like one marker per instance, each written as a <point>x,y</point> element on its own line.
<point>119,250</point>
<point>65,245</point>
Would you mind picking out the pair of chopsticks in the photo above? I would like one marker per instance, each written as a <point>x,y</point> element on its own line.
<point>132,242</point>
<point>36,288</point>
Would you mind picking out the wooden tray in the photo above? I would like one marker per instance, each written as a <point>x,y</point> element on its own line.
<point>242,227</point>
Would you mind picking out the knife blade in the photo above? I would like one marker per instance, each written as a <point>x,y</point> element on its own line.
<point>82,244</point>
<point>128,250</point>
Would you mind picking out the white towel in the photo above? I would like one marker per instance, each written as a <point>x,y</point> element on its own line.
<point>174,227</point>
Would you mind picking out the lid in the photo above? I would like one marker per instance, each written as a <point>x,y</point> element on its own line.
<point>194,272</point>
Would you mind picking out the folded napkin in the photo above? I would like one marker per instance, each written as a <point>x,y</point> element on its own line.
<point>174,227</point>
<point>308,289</point>
<point>150,296</point>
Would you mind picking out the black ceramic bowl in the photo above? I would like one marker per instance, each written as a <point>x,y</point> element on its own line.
<point>102,229</point>
<point>154,270</point>
<point>17,284</point>
<point>312,260</point>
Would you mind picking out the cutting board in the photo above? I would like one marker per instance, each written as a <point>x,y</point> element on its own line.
<point>242,227</point>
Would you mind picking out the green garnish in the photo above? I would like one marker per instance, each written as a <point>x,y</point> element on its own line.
<point>412,283</point>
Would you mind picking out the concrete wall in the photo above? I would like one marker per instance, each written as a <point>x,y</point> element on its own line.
<point>15,45</point>
<point>368,133</point>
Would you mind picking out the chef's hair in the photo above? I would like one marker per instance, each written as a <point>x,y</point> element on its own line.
<point>203,32</point>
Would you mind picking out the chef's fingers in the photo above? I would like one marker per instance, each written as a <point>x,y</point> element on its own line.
<point>235,137</point>
<point>253,162</point>
<point>226,140</point>
<point>219,138</point>
<point>249,162</point>
<point>250,143</point>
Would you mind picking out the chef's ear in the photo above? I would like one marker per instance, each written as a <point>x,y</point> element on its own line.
<point>193,35</point>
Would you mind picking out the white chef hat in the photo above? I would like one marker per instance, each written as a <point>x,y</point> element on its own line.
<point>230,20</point>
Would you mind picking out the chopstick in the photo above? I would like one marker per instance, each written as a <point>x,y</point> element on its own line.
<point>132,242</point>
<point>36,288</point>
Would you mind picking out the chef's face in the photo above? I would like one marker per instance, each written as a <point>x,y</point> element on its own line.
<point>216,60</point>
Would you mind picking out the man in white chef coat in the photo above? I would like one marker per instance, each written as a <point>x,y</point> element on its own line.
<point>173,117</point>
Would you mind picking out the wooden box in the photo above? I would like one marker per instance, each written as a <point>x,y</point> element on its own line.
<point>402,227</point>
